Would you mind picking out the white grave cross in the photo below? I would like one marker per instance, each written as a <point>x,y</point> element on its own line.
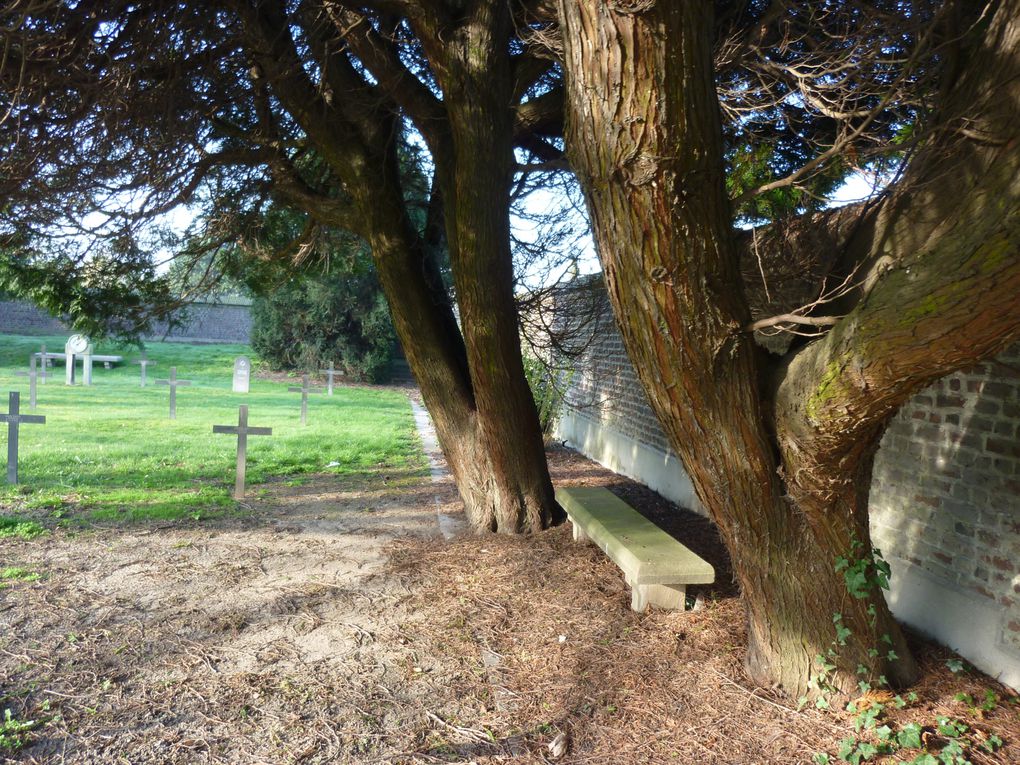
<point>146,363</point>
<point>304,390</point>
<point>32,374</point>
<point>329,378</point>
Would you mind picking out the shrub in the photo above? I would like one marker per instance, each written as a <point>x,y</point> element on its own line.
<point>547,386</point>
<point>314,319</point>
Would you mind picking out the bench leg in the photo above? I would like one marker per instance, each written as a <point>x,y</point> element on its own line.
<point>579,535</point>
<point>665,596</point>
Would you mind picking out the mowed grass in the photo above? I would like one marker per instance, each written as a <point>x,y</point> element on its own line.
<point>110,452</point>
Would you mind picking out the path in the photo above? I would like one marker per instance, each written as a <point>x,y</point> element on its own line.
<point>450,523</point>
<point>249,640</point>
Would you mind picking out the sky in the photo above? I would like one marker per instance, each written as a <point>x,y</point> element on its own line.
<point>858,187</point>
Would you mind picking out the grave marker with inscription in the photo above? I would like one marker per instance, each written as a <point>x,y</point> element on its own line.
<point>243,431</point>
<point>173,382</point>
<point>242,374</point>
<point>14,418</point>
<point>78,345</point>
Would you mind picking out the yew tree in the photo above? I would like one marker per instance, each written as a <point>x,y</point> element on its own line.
<point>677,124</point>
<point>115,113</point>
<point>780,447</point>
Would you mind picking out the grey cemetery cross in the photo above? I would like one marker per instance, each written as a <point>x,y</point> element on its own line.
<point>14,418</point>
<point>31,374</point>
<point>242,374</point>
<point>304,390</point>
<point>173,382</point>
<point>146,363</point>
<point>329,377</point>
<point>45,364</point>
<point>243,431</point>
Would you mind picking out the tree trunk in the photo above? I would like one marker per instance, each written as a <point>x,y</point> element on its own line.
<point>644,137</point>
<point>474,170</point>
<point>482,418</point>
<point>475,391</point>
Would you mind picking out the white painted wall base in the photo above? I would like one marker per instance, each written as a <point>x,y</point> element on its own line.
<point>659,471</point>
<point>971,627</point>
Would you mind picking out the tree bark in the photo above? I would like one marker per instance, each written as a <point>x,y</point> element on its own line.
<point>782,461</point>
<point>474,157</point>
<point>472,379</point>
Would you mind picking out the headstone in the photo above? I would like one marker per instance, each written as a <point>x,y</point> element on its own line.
<point>31,374</point>
<point>243,431</point>
<point>45,364</point>
<point>146,363</point>
<point>14,418</point>
<point>173,382</point>
<point>77,345</point>
<point>242,374</point>
<point>329,378</point>
<point>304,390</point>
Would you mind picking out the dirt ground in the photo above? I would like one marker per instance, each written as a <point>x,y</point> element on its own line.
<point>332,623</point>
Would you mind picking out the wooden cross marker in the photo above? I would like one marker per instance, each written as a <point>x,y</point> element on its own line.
<point>45,364</point>
<point>173,382</point>
<point>31,374</point>
<point>14,418</point>
<point>329,377</point>
<point>145,364</point>
<point>304,390</point>
<point>243,431</point>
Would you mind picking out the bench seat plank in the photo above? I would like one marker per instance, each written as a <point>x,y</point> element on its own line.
<point>95,357</point>
<point>656,566</point>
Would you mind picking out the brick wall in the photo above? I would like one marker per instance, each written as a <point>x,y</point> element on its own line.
<point>945,499</point>
<point>21,318</point>
<point>605,387</point>
<point>212,322</point>
<point>946,490</point>
<point>226,322</point>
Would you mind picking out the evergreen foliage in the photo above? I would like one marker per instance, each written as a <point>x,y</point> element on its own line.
<point>313,319</point>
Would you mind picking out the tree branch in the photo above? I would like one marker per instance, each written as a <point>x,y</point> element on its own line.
<point>942,262</point>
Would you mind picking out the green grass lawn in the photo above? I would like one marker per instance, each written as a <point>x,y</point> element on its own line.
<point>110,452</point>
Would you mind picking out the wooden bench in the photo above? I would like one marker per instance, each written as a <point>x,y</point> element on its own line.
<point>656,566</point>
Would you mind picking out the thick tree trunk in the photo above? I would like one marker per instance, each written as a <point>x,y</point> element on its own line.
<point>783,459</point>
<point>471,378</point>
<point>501,476</point>
<point>644,138</point>
<point>475,164</point>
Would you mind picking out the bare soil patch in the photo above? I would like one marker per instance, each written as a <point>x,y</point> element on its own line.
<point>333,624</point>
